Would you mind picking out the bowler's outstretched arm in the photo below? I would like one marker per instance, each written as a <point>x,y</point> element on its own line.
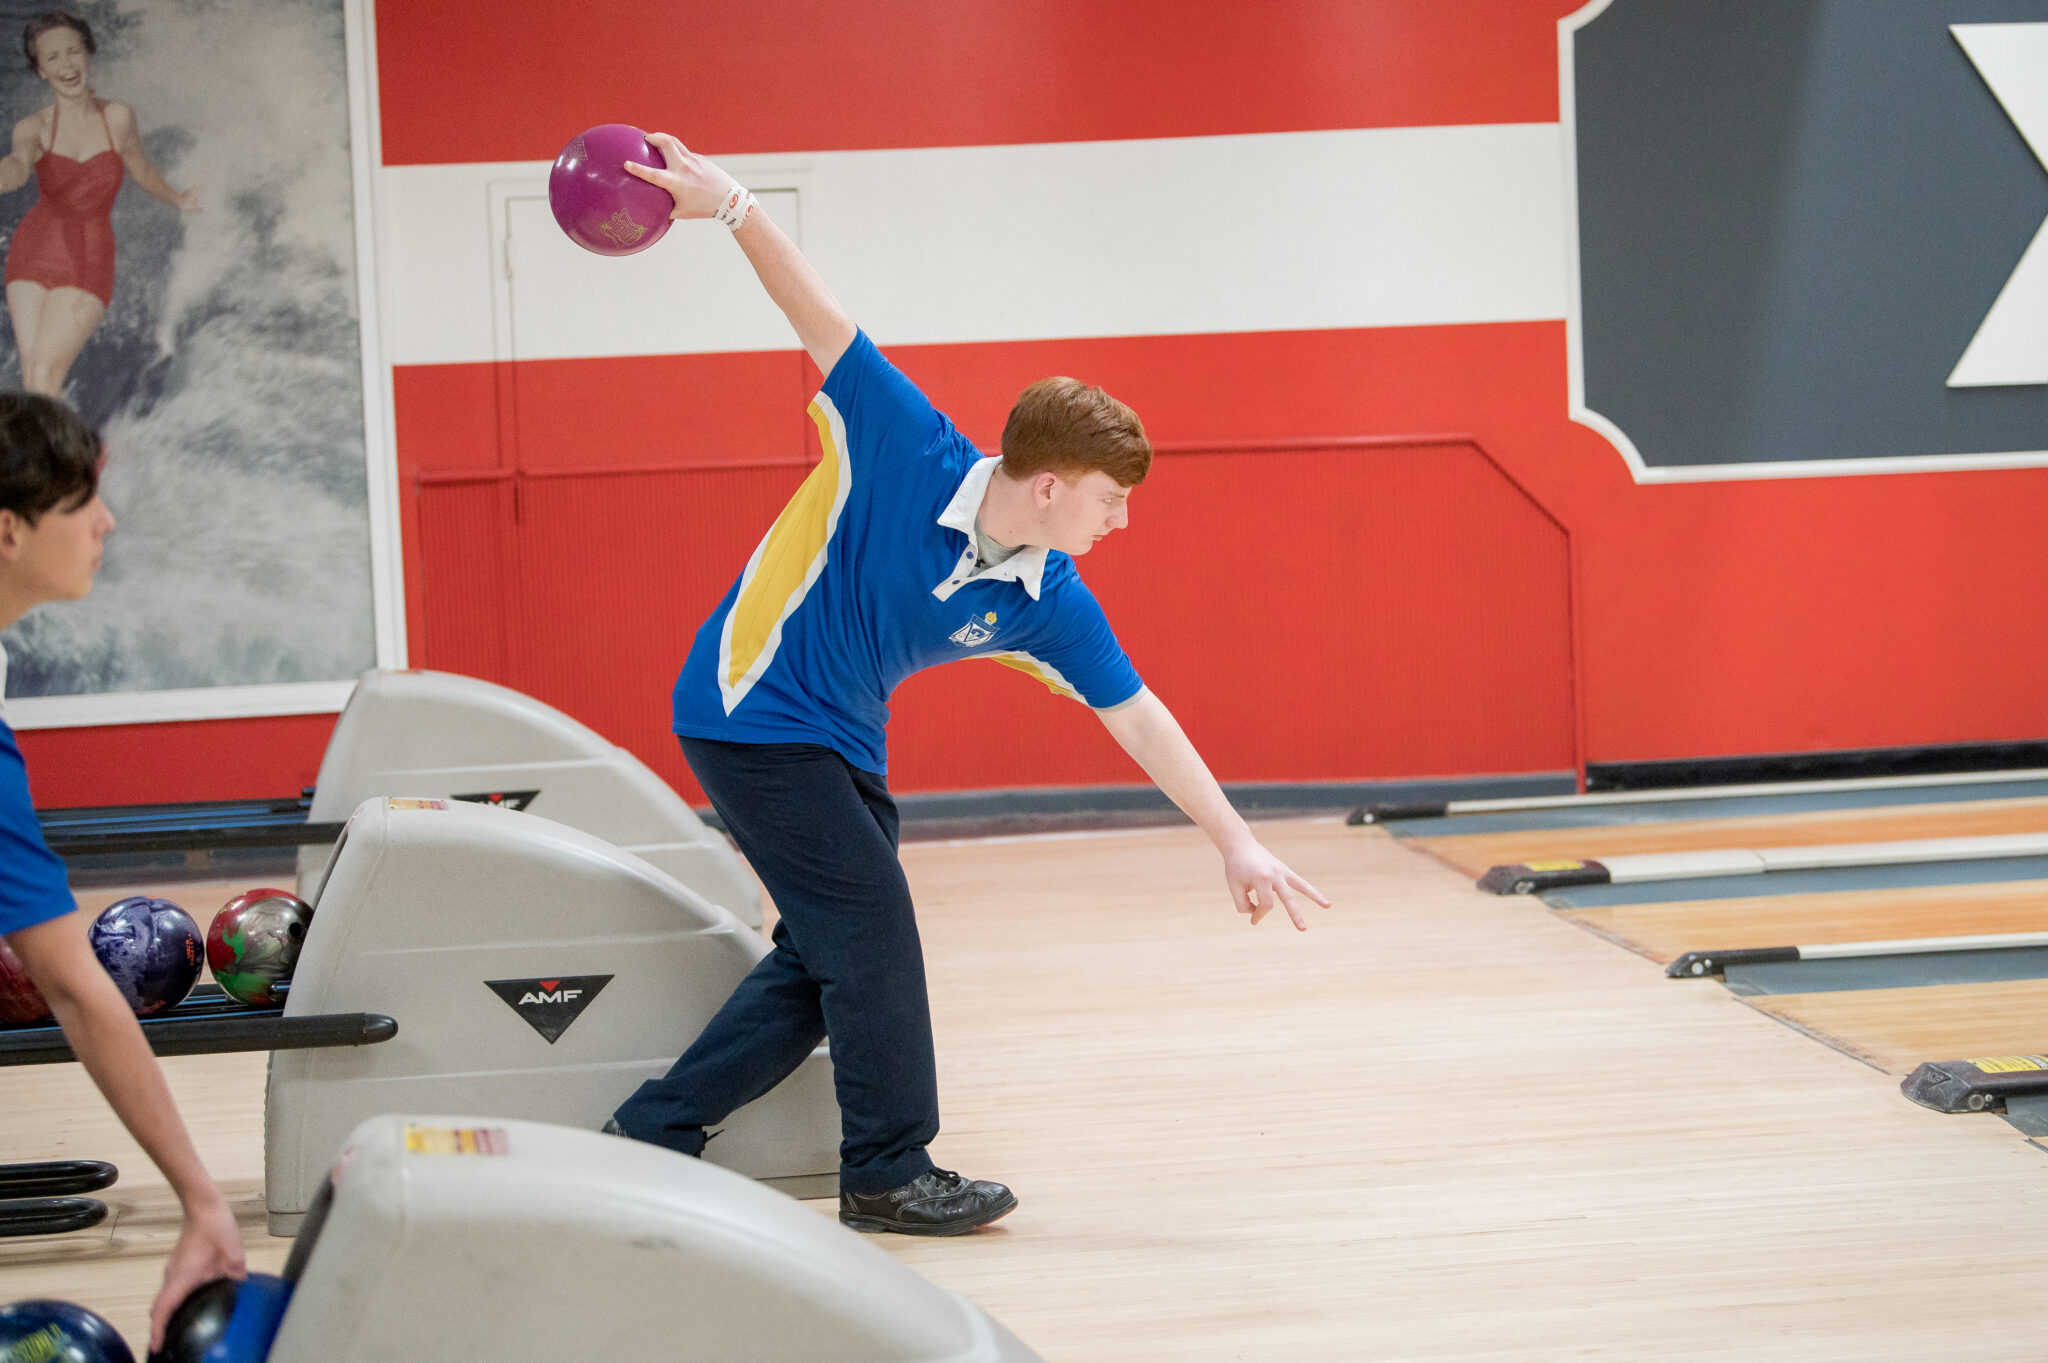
<point>1258,880</point>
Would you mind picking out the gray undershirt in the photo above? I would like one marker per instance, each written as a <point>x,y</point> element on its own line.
<point>987,553</point>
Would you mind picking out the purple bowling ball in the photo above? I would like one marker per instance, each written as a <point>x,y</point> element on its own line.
<point>599,203</point>
<point>153,950</point>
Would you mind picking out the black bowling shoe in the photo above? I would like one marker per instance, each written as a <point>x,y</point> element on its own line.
<point>936,1202</point>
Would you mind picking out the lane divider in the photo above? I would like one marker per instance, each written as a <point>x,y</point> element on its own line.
<point>1393,811</point>
<point>1711,964</point>
<point>1534,877</point>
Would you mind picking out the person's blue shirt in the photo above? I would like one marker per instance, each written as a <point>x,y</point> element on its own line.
<point>868,575</point>
<point>33,885</point>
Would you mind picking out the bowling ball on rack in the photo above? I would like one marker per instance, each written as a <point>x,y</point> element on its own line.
<point>58,1332</point>
<point>152,949</point>
<point>600,204</point>
<point>253,944</point>
<point>20,1001</point>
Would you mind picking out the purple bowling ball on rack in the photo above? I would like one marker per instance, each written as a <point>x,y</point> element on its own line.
<point>598,202</point>
<point>153,950</point>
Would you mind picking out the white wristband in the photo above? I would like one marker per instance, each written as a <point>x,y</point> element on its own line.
<point>734,210</point>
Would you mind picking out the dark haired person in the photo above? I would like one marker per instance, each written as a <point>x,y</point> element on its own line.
<point>52,522</point>
<point>60,262</point>
<point>903,549</point>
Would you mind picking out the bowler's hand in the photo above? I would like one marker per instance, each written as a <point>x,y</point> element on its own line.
<point>209,1246</point>
<point>697,186</point>
<point>1258,880</point>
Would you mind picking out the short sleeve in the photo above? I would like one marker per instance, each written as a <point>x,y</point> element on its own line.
<point>1077,654</point>
<point>885,416</point>
<point>34,887</point>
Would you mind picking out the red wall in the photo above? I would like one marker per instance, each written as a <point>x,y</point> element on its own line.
<point>500,80</point>
<point>1314,606</point>
<point>1484,589</point>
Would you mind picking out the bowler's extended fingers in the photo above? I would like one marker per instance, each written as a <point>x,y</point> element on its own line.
<point>1293,909</point>
<point>1311,891</point>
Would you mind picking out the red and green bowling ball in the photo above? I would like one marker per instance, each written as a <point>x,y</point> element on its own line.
<point>253,945</point>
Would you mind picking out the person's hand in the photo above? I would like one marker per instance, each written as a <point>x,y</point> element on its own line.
<point>188,201</point>
<point>209,1246</point>
<point>697,186</point>
<point>1258,880</point>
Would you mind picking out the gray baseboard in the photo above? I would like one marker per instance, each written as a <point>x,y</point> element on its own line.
<point>1049,809</point>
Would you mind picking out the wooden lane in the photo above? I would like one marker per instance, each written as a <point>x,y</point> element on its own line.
<point>1665,931</point>
<point>1896,1029</point>
<point>1476,853</point>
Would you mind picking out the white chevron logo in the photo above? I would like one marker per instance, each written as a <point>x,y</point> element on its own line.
<point>2011,344</point>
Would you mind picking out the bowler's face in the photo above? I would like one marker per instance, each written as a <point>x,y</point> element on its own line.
<point>1086,509</point>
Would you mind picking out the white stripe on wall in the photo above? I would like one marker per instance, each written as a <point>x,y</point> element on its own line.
<point>1266,232</point>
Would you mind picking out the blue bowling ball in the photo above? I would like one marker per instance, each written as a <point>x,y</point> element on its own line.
<point>153,950</point>
<point>58,1332</point>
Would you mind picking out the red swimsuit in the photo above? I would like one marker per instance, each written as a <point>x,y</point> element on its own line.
<point>67,239</point>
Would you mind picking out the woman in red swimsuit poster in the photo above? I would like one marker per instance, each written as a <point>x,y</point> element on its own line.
<point>60,264</point>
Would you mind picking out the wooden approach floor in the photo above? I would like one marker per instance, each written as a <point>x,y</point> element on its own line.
<point>1666,931</point>
<point>1477,853</point>
<point>1441,1125</point>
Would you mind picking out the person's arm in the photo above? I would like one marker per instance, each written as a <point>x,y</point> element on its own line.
<point>19,163</point>
<point>698,188</point>
<point>127,136</point>
<point>109,1043</point>
<point>1147,730</point>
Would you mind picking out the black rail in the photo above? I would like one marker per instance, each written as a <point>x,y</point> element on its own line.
<point>211,1024</point>
<point>190,827</point>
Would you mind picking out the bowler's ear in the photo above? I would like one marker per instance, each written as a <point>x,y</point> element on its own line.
<point>11,527</point>
<point>1041,488</point>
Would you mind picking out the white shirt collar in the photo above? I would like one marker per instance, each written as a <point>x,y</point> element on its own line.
<point>1027,565</point>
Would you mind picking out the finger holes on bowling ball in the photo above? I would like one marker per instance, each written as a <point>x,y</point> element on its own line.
<point>254,942</point>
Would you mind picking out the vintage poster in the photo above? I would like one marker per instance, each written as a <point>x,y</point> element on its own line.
<point>181,266</point>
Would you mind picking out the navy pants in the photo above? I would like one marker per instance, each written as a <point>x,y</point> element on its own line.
<point>847,964</point>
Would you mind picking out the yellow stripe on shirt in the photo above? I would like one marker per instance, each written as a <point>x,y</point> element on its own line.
<point>1044,672</point>
<point>786,562</point>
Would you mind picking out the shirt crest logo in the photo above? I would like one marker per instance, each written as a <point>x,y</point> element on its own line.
<point>978,630</point>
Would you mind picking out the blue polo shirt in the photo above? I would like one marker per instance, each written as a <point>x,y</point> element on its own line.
<point>33,886</point>
<point>868,575</point>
